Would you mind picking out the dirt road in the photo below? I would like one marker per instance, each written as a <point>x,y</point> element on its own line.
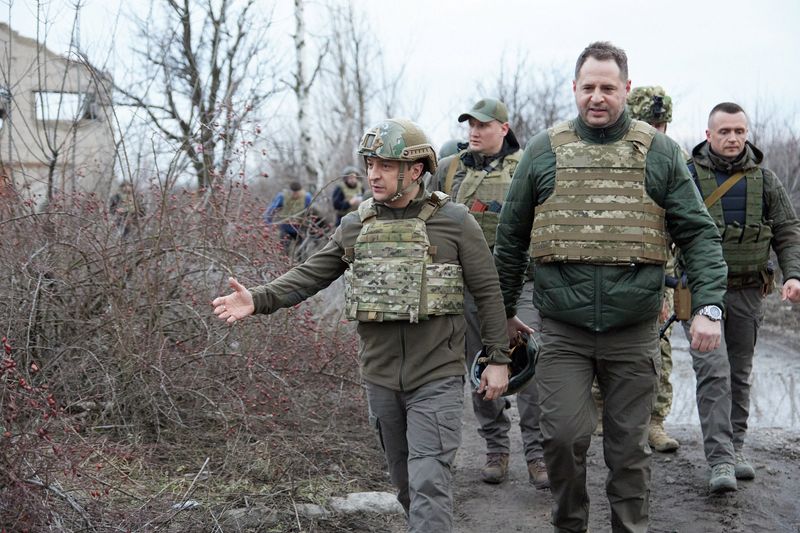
<point>679,499</point>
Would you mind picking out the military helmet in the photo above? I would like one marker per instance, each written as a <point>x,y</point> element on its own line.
<point>650,104</point>
<point>398,139</point>
<point>453,146</point>
<point>523,364</point>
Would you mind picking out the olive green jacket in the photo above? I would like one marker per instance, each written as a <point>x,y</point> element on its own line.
<point>400,355</point>
<point>601,297</point>
<point>777,207</point>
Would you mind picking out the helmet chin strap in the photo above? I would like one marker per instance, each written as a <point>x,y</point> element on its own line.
<point>401,189</point>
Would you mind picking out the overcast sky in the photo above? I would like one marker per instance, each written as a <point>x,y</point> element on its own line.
<point>701,52</point>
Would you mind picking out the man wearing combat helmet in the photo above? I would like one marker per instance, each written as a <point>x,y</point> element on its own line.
<point>597,197</point>
<point>654,106</point>
<point>407,255</point>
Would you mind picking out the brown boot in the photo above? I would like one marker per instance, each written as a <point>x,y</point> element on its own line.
<point>538,474</point>
<point>496,468</point>
<point>658,438</point>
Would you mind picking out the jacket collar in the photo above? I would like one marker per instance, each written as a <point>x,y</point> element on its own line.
<point>608,134</point>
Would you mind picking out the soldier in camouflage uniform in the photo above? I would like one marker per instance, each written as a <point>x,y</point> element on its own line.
<point>754,215</point>
<point>479,176</point>
<point>652,105</point>
<point>597,197</point>
<point>407,255</point>
<point>348,194</point>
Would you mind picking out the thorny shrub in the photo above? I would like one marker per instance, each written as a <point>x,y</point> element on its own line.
<point>121,393</point>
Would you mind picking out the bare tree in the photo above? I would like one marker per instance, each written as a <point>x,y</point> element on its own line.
<point>205,72</point>
<point>537,96</point>
<point>301,86</point>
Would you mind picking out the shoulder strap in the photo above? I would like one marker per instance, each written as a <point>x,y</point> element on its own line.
<point>561,134</point>
<point>366,210</point>
<point>720,191</point>
<point>641,132</point>
<point>436,200</point>
<point>451,172</point>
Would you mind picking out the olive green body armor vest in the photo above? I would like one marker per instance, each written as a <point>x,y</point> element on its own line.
<point>293,207</point>
<point>600,212</point>
<point>392,275</point>
<point>488,186</point>
<point>350,193</point>
<point>744,247</point>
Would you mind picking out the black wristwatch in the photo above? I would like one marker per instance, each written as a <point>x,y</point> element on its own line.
<point>711,312</point>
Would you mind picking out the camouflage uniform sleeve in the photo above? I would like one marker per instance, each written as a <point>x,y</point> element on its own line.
<point>512,243</point>
<point>785,225</point>
<point>304,280</point>
<point>692,229</point>
<point>481,279</point>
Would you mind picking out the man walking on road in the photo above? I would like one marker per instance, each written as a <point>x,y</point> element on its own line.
<point>754,215</point>
<point>597,197</point>
<point>479,177</point>
<point>407,256</point>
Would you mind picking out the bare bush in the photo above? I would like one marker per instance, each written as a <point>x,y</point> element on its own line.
<point>114,358</point>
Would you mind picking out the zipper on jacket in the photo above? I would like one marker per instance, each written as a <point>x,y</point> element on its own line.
<point>598,300</point>
<point>402,355</point>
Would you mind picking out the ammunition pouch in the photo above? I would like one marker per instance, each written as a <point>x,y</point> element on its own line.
<point>682,300</point>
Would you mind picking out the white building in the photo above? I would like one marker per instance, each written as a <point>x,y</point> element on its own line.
<point>56,131</point>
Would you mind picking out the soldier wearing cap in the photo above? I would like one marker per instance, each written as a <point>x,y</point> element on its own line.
<point>406,255</point>
<point>478,176</point>
<point>594,200</point>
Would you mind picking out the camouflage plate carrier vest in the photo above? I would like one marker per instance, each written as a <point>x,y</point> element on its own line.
<point>292,210</point>
<point>392,275</point>
<point>599,211</point>
<point>745,248</point>
<point>487,186</point>
<point>350,193</point>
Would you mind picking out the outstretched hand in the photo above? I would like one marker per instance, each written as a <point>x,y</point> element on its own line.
<point>236,305</point>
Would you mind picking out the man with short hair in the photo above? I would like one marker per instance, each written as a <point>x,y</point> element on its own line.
<point>594,199</point>
<point>479,176</point>
<point>410,327</point>
<point>348,194</point>
<point>754,215</point>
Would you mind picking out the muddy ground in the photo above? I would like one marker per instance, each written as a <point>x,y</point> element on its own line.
<point>680,501</point>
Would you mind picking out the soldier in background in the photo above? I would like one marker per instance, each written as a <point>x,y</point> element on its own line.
<point>754,215</point>
<point>597,197</point>
<point>348,194</point>
<point>652,105</point>
<point>411,331</point>
<point>290,207</point>
<point>126,207</point>
<point>478,176</point>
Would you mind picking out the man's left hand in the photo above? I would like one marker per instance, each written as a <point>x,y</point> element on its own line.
<point>791,291</point>
<point>494,381</point>
<point>705,333</point>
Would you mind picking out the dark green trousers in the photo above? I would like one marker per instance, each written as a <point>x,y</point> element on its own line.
<point>624,360</point>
